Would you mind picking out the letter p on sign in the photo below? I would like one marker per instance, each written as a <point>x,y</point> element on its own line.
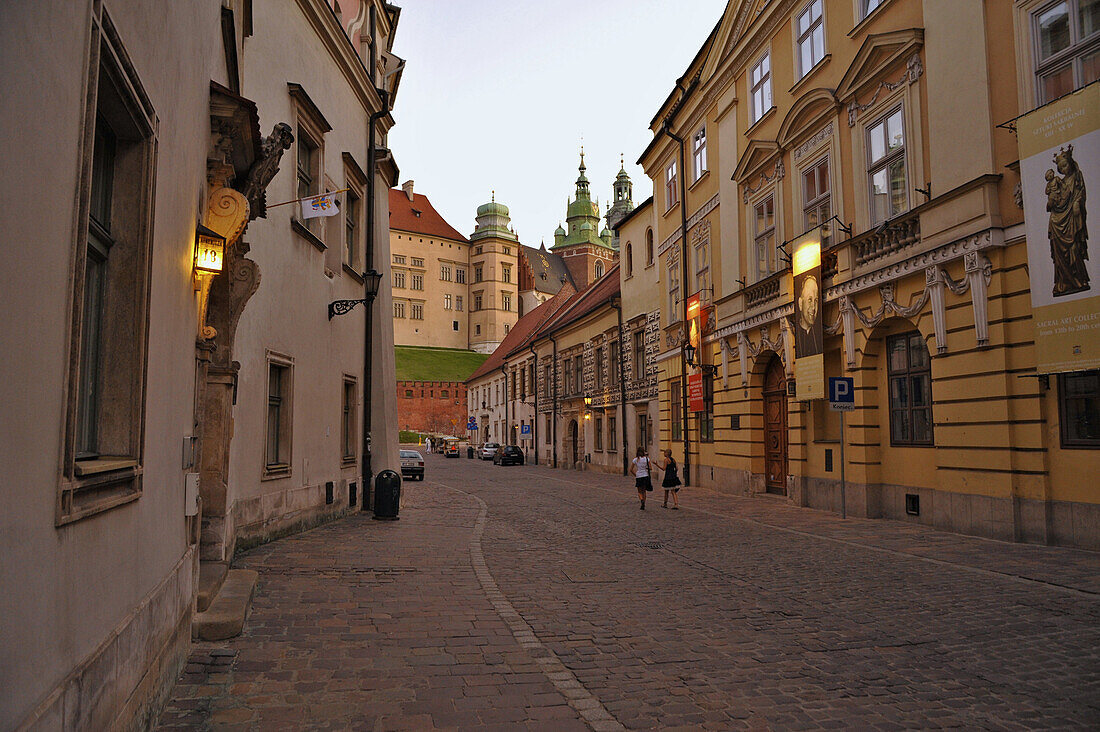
<point>842,393</point>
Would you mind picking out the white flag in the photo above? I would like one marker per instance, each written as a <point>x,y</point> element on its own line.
<point>322,205</point>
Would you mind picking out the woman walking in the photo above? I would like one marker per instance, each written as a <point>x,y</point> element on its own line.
<point>671,482</point>
<point>640,469</point>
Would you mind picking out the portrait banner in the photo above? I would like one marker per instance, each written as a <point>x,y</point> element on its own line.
<point>1059,162</point>
<point>807,326</point>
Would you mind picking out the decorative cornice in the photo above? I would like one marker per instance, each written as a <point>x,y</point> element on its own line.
<point>823,134</point>
<point>778,173</point>
<point>702,211</point>
<point>914,69</point>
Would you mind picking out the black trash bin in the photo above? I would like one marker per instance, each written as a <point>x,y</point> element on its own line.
<point>470,452</point>
<point>387,496</point>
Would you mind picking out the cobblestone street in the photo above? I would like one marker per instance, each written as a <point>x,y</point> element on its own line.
<point>524,597</point>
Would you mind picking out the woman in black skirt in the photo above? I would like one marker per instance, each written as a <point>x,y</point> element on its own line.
<point>671,482</point>
<point>641,471</point>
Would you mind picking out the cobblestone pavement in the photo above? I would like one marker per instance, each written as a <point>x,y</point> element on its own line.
<point>530,598</point>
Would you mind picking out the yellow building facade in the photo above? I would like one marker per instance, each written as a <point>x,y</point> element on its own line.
<point>849,124</point>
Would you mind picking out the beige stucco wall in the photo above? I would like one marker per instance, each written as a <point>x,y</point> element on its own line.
<point>69,589</point>
<point>436,329</point>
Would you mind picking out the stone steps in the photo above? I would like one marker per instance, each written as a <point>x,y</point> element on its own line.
<point>226,613</point>
<point>211,576</point>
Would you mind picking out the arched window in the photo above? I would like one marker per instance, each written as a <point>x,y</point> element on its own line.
<point>910,389</point>
<point>648,247</point>
<point>599,270</point>
<point>629,259</point>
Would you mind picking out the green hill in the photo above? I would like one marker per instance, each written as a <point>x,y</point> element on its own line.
<point>417,363</point>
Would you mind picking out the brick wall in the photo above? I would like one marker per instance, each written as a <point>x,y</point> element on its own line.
<point>430,406</point>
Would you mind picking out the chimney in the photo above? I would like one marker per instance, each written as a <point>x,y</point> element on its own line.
<point>407,186</point>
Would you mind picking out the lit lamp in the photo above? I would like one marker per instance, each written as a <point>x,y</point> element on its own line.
<point>689,355</point>
<point>588,407</point>
<point>209,250</point>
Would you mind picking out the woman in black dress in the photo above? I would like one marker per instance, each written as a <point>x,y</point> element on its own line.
<point>671,482</point>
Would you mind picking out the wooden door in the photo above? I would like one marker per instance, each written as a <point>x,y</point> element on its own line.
<point>775,428</point>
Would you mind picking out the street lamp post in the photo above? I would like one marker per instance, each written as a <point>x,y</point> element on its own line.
<point>371,280</point>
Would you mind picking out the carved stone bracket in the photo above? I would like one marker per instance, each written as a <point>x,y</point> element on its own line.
<point>914,69</point>
<point>227,215</point>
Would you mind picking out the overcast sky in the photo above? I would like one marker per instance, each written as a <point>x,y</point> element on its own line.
<point>497,94</point>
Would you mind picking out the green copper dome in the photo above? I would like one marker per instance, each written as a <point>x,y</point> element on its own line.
<point>493,220</point>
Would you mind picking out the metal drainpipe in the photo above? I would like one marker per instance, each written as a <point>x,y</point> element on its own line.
<point>683,299</point>
<point>554,413</point>
<point>535,393</point>
<point>622,383</point>
<point>368,307</point>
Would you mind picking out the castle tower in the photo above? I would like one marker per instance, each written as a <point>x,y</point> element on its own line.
<point>587,252</point>
<point>494,277</point>
<point>623,200</point>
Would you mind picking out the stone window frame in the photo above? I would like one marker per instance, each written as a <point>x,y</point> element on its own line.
<point>310,128</point>
<point>673,273</point>
<point>808,35</point>
<point>672,191</point>
<point>448,301</point>
<point>479,302</point>
<point>699,154</point>
<point>597,431</point>
<point>399,309</point>
<point>910,337</point>
<point>883,163</point>
<point>629,257</point>
<point>416,281</point>
<point>1071,55</point>
<point>756,236</point>
<point>506,301</point>
<point>458,303</point>
<point>399,279</point>
<point>637,355</point>
<point>279,468</point>
<point>612,433</point>
<point>445,271</point>
<point>759,108</point>
<point>460,275</point>
<point>705,419</point>
<point>506,273</point>
<point>807,205</point>
<point>649,255</point>
<point>349,420</point>
<point>112,474</point>
<point>676,409</point>
<point>355,180</point>
<point>416,310</point>
<point>598,361</point>
<point>597,269</point>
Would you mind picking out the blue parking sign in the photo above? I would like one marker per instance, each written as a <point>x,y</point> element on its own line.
<point>842,393</point>
<point>525,429</point>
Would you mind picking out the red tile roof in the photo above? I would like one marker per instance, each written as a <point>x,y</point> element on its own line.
<point>524,327</point>
<point>597,294</point>
<point>419,216</point>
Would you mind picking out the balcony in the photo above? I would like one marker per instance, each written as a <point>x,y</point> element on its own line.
<point>887,239</point>
<point>762,293</point>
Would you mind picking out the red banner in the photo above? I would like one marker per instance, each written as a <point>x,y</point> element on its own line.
<point>695,393</point>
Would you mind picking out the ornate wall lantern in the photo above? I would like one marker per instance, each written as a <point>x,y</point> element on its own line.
<point>209,250</point>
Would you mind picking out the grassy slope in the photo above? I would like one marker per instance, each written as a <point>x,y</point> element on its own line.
<point>415,363</point>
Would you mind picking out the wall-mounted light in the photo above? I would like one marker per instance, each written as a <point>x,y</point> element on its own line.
<point>209,250</point>
<point>371,281</point>
<point>689,356</point>
<point>587,407</point>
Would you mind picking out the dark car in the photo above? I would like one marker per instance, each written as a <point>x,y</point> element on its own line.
<point>412,464</point>
<point>508,455</point>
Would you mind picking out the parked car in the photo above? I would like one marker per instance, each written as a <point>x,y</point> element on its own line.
<point>488,450</point>
<point>451,449</point>
<point>509,455</point>
<point>412,464</point>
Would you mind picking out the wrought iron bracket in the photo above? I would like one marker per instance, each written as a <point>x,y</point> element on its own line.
<point>343,307</point>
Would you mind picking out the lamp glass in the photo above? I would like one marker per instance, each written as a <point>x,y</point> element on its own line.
<point>209,253</point>
<point>689,353</point>
<point>372,279</point>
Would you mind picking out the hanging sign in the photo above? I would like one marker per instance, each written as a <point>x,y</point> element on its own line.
<point>1059,159</point>
<point>696,403</point>
<point>809,363</point>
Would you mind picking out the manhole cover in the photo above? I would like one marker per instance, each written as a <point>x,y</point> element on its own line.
<point>650,545</point>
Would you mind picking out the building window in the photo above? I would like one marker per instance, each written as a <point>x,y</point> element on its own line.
<point>613,362</point>
<point>408,393</point>
<point>109,325</point>
<point>612,433</point>
<point>817,208</point>
<point>477,273</point>
<point>417,311</point>
<point>698,154</point>
<point>671,191</point>
<point>309,171</point>
<point>764,237</point>
<point>523,384</point>
<point>760,90</point>
<point>648,247</point>
<point>706,417</point>
<point>567,367</point>
<point>639,354</point>
<point>506,301</point>
<point>1067,47</point>
<point>676,409</point>
<point>886,147</point>
<point>477,250</point>
<point>599,367</point>
<point>674,314</point>
<point>597,431</point>
<point>1079,408</point>
<point>399,310</point>
<point>351,227</point>
<point>445,272</point>
<point>347,423</point>
<point>444,394</point>
<point>399,280</point>
<point>811,38</point>
<point>458,303</point>
<point>506,273</point>
<point>477,303</point>
<point>702,269</point>
<point>399,259</point>
<point>598,269</point>
<point>548,431</point>
<point>277,448</point>
<point>505,250</point>
<point>578,375</point>
<point>477,330</point>
<point>507,328</point>
<point>417,281</point>
<point>629,260</point>
<point>416,262</point>
<point>547,379</point>
<point>910,378</point>
<point>460,275</point>
<point>446,302</point>
<point>643,430</point>
<point>866,7</point>
<point>454,325</point>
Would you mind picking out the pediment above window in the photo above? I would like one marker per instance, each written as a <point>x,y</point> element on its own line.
<point>879,54</point>
<point>756,157</point>
<point>806,115</point>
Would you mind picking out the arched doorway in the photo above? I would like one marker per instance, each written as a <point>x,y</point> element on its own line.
<point>573,430</point>
<point>775,428</point>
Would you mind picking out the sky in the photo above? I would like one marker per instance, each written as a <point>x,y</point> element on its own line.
<point>499,94</point>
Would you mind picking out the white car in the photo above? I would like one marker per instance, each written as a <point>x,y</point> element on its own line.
<point>412,465</point>
<point>488,450</point>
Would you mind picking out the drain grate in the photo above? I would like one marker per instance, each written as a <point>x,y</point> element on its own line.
<point>650,545</point>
